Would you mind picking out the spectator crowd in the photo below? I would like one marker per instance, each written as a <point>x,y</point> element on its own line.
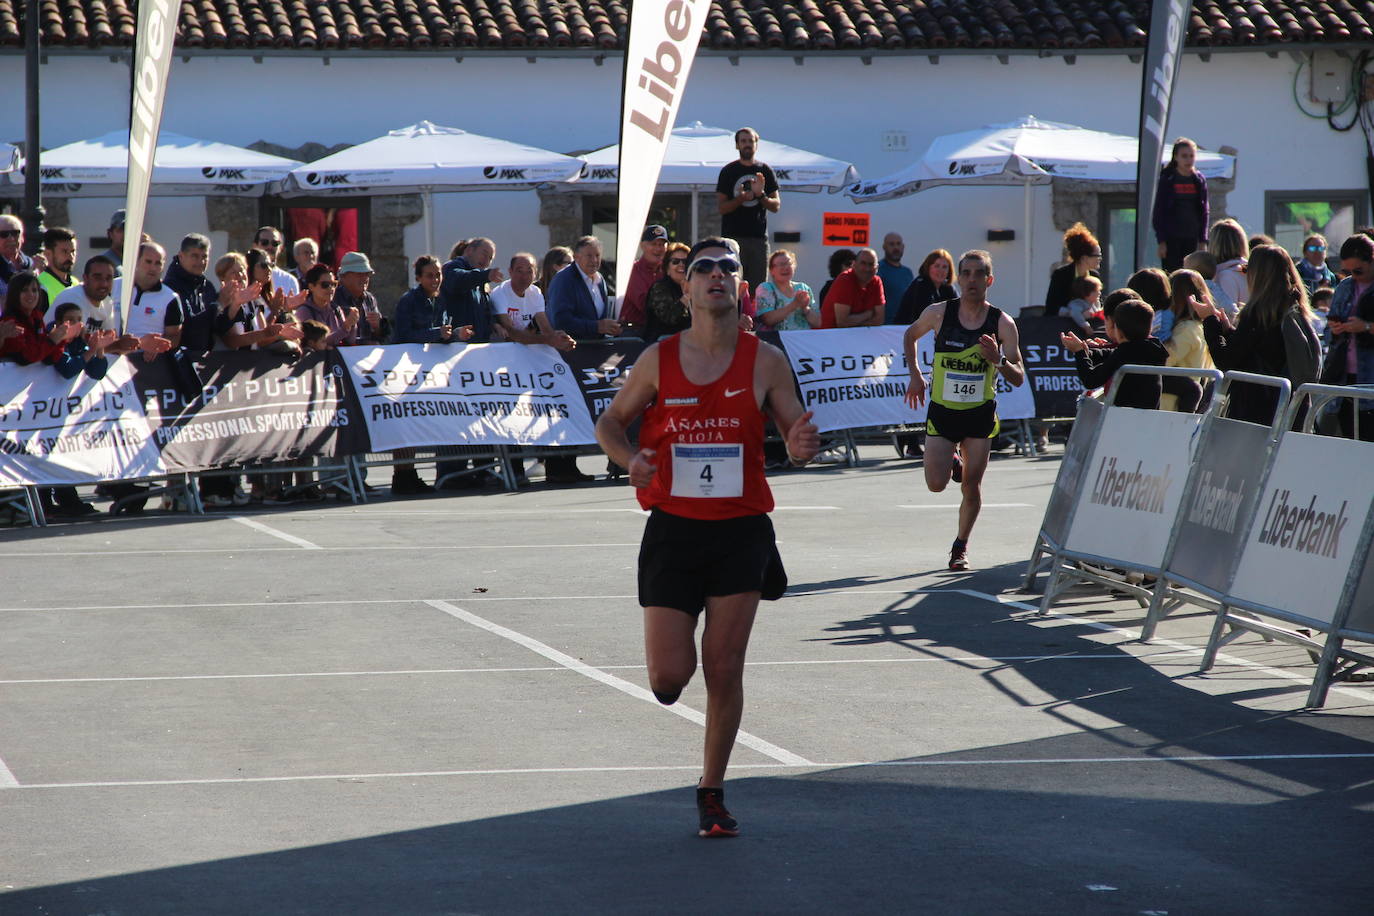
<point>1225,299</point>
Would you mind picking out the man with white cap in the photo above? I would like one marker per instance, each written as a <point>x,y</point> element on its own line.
<point>355,275</point>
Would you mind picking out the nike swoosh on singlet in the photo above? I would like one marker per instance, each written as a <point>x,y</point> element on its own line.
<point>730,394</point>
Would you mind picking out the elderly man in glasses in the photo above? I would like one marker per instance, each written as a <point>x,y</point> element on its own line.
<point>269,239</point>
<point>12,257</point>
<point>704,395</point>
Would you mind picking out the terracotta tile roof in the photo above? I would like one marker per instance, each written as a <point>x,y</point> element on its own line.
<point>743,25</point>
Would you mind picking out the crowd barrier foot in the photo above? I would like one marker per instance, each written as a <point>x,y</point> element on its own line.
<point>24,504</point>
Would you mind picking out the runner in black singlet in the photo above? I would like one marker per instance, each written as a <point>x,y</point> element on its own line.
<point>974,342</point>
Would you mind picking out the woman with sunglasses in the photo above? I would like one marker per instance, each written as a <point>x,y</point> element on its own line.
<point>785,304</point>
<point>665,308</point>
<point>1312,265</point>
<point>320,284</point>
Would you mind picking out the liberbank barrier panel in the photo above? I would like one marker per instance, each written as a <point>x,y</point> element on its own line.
<point>1067,483</point>
<point>1306,554</point>
<point>1228,469</point>
<point>1128,494</point>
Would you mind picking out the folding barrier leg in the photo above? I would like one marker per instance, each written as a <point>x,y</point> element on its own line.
<point>1209,658</point>
<point>36,517</point>
<point>1052,585</point>
<point>355,478</point>
<point>1033,567</point>
<point>1156,611</point>
<point>1326,665</point>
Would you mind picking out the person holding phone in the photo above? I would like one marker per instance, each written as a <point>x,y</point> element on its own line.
<point>746,192</point>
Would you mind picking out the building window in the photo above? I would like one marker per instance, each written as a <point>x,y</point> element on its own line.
<point>1291,216</point>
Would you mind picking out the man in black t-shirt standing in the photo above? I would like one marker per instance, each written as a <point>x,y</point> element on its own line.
<point>746,192</point>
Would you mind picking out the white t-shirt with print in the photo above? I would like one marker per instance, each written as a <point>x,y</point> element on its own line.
<point>519,309</point>
<point>95,317</point>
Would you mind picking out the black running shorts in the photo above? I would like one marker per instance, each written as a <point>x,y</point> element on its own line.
<point>957,425</point>
<point>682,561</point>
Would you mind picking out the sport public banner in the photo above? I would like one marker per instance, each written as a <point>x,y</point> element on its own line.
<point>467,394</point>
<point>56,431</point>
<point>1163,53</point>
<point>664,35</point>
<point>1051,376</point>
<point>1133,485</point>
<point>601,368</point>
<point>156,29</point>
<point>857,377</point>
<point>1307,525</point>
<point>1211,526</point>
<point>253,407</point>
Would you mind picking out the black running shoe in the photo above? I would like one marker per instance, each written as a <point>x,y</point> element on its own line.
<point>715,820</point>
<point>958,556</point>
<point>956,471</point>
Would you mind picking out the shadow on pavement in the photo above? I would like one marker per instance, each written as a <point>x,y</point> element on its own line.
<point>1083,823</point>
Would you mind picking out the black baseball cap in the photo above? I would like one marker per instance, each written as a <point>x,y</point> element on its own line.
<point>654,234</point>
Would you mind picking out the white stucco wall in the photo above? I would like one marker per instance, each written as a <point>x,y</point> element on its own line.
<point>837,106</point>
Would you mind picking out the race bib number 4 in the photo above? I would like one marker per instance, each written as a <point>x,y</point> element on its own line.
<point>708,471</point>
<point>965,388</point>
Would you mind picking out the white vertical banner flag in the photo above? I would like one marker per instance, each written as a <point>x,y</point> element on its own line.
<point>152,61</point>
<point>663,41</point>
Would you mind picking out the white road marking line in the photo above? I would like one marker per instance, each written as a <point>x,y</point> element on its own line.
<point>577,771</point>
<point>748,740</point>
<point>428,671</point>
<point>956,506</point>
<point>283,535</point>
<point>268,529</point>
<point>1182,647</point>
<point>7,780</point>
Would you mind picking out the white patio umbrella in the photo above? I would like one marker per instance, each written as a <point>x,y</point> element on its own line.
<point>426,157</point>
<point>1026,152</point>
<point>9,157</point>
<point>697,152</point>
<point>182,166</point>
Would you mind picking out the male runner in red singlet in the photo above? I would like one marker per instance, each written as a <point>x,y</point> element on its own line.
<point>974,343</point>
<point>708,543</point>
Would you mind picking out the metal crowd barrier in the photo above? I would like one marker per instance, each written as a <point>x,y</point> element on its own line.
<point>1229,464</point>
<point>1312,585</point>
<point>1107,547</point>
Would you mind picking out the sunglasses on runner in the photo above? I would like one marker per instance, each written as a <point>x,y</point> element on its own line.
<point>1316,247</point>
<point>728,264</point>
<point>11,233</point>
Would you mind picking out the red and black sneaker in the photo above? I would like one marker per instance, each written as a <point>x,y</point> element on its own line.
<point>715,820</point>
<point>956,471</point>
<point>958,555</point>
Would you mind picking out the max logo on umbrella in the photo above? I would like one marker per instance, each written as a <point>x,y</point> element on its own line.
<point>492,171</point>
<point>224,174</point>
<point>315,178</point>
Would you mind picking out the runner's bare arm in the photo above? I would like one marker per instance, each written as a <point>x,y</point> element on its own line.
<point>640,389</point>
<point>799,434</point>
<point>926,322</point>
